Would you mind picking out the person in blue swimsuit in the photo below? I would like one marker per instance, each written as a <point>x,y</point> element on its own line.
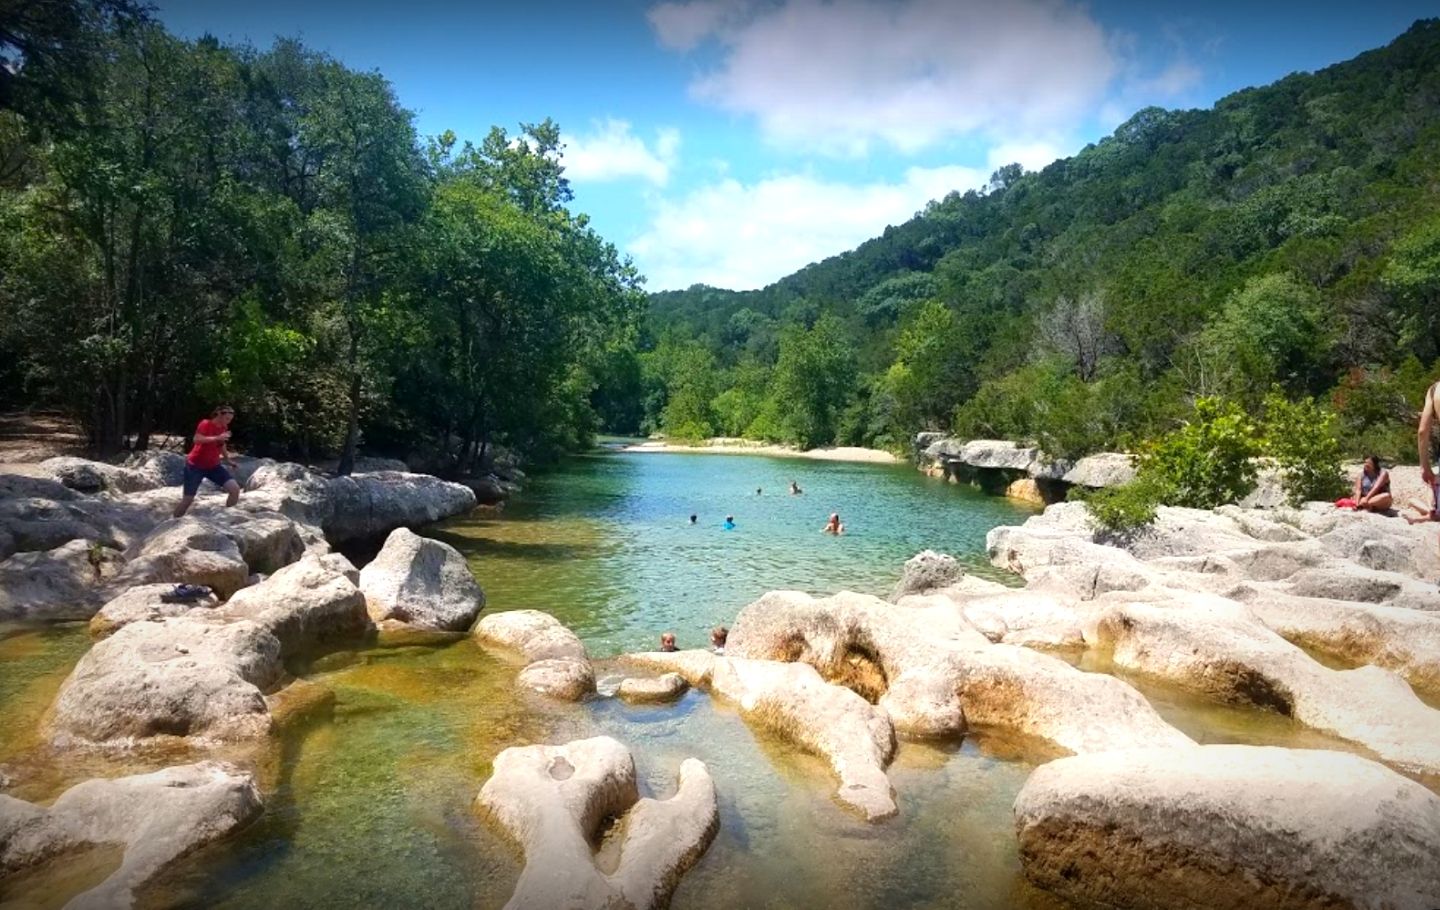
<point>729,524</point>
<point>1372,487</point>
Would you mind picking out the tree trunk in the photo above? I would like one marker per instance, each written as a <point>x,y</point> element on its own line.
<point>352,427</point>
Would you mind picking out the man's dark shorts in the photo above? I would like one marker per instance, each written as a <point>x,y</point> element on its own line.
<point>193,475</point>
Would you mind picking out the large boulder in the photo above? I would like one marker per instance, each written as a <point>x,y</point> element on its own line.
<point>934,673</point>
<point>425,583</point>
<point>1230,826</point>
<point>184,676</point>
<point>306,605</point>
<point>555,801</point>
<point>145,603</point>
<point>1106,469</point>
<point>156,818</point>
<point>998,453</point>
<point>360,506</point>
<point>187,550</point>
<point>65,583</point>
<point>926,571</point>
<point>86,476</point>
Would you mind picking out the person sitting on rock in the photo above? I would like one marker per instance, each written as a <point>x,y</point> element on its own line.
<point>717,639</point>
<point>205,460</point>
<point>834,525</point>
<point>1372,487</point>
<point>667,642</point>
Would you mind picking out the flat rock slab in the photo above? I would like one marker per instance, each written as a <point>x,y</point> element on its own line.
<point>145,603</point>
<point>1230,826</point>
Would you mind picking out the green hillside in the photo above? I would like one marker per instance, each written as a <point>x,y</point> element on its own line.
<point>1289,237</point>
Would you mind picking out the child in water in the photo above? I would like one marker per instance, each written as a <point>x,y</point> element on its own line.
<point>667,642</point>
<point>729,524</point>
<point>717,639</point>
<point>833,526</point>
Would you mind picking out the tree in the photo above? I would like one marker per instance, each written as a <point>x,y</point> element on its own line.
<point>1075,329</point>
<point>814,378</point>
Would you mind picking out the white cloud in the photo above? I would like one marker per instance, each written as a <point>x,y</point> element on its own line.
<point>845,73</point>
<point>838,76</point>
<point>733,235</point>
<point>612,152</point>
<point>1032,156</point>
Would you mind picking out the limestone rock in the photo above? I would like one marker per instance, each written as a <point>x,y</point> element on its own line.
<point>163,469</point>
<point>926,571</point>
<point>555,661</point>
<point>305,605</point>
<point>1025,490</point>
<point>155,817</point>
<point>85,476</point>
<point>662,688</point>
<point>1230,826</point>
<point>423,582</point>
<point>694,665</point>
<point>562,678</point>
<point>998,453</point>
<point>829,720</point>
<point>182,676</point>
<point>144,603</point>
<point>533,634</point>
<point>1107,469</point>
<point>367,506</point>
<point>56,585</point>
<point>187,550</point>
<point>554,799</point>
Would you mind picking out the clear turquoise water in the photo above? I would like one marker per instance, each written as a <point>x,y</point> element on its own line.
<point>605,543</point>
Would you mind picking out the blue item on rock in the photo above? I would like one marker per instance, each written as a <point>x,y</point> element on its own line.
<point>184,593</point>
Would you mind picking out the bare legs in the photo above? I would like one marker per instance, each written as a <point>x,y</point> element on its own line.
<point>232,496</point>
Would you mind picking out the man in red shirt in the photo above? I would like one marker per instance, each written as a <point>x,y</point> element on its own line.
<point>204,460</point>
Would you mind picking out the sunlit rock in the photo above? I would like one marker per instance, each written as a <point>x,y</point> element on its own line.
<point>1230,826</point>
<point>554,800</point>
<point>423,582</point>
<point>554,659</point>
<point>307,604</point>
<point>146,603</point>
<point>662,688</point>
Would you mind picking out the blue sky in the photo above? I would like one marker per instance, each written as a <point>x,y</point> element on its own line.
<point>731,142</point>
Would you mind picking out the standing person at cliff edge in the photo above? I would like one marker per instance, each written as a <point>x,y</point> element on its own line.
<point>1429,415</point>
<point>204,461</point>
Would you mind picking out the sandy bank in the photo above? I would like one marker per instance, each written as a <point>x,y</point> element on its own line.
<point>725,446</point>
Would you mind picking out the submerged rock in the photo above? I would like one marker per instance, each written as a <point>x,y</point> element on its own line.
<point>561,677</point>
<point>554,800</point>
<point>156,818</point>
<point>1230,826</point>
<point>423,582</point>
<point>662,688</point>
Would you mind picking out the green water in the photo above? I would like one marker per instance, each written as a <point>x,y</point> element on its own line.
<point>606,545</point>
<point>369,803</point>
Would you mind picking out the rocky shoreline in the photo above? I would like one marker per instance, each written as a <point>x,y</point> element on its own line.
<point>1125,810</point>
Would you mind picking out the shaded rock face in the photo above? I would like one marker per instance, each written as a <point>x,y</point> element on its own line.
<point>556,664</point>
<point>155,817</point>
<point>425,583</point>
<point>145,603</point>
<point>554,801</point>
<point>181,677</point>
<point>926,571</point>
<point>66,583</point>
<point>1230,826</point>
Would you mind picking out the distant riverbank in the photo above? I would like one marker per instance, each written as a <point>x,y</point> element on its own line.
<point>731,446</point>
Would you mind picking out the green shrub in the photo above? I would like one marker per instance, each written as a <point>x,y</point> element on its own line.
<point>1304,440</point>
<point>1123,510</point>
<point>1208,461</point>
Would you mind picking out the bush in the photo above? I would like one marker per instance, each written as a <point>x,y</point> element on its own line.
<point>1125,509</point>
<point>1303,439</point>
<point>1208,461</point>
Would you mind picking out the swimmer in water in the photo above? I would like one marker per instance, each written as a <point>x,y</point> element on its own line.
<point>833,526</point>
<point>729,524</point>
<point>795,489</point>
<point>694,518</point>
<point>717,639</point>
<point>667,642</point>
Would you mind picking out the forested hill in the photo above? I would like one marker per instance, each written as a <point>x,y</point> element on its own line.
<point>1289,237</point>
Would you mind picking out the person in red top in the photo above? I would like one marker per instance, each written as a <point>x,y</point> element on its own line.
<point>204,460</point>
